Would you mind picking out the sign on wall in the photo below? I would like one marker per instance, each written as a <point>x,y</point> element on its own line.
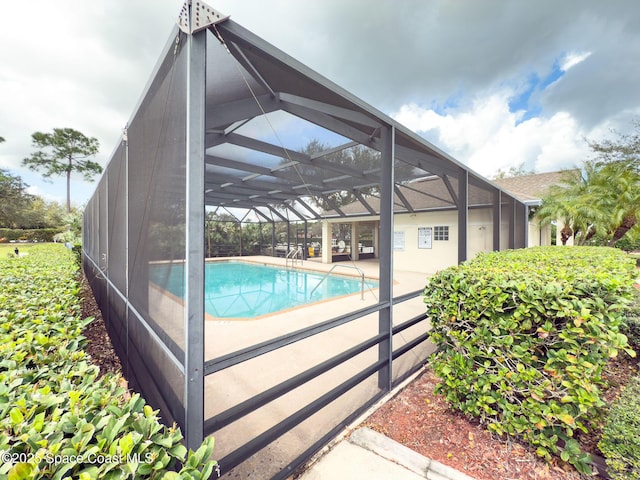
<point>398,240</point>
<point>425,237</point>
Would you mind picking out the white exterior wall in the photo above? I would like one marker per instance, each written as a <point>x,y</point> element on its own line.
<point>425,260</point>
<point>443,253</point>
<point>539,236</point>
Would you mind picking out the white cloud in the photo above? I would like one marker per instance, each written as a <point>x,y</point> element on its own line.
<point>45,195</point>
<point>488,137</point>
<point>572,59</point>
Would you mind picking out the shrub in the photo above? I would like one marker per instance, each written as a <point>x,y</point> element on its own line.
<point>620,441</point>
<point>57,418</point>
<point>32,235</point>
<point>629,243</point>
<point>523,337</point>
<point>77,252</point>
<point>631,327</point>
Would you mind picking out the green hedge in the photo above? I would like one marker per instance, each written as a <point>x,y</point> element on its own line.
<point>33,235</point>
<point>523,336</point>
<point>58,420</point>
<point>632,321</point>
<point>628,244</point>
<point>620,441</point>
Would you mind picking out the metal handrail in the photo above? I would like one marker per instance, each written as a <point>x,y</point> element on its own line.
<point>292,255</point>
<point>345,266</point>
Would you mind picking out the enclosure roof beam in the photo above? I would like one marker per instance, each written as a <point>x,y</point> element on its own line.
<point>243,203</point>
<point>249,191</point>
<point>427,194</point>
<point>424,161</point>
<point>260,186</point>
<point>231,214</point>
<point>336,112</point>
<point>234,195</point>
<point>402,198</point>
<point>315,214</point>
<point>452,191</point>
<point>246,63</point>
<point>277,213</point>
<point>331,151</point>
<point>310,180</point>
<point>295,212</point>
<point>366,204</point>
<point>333,205</point>
<point>226,114</point>
<point>232,191</point>
<point>328,122</point>
<point>246,214</point>
<point>264,147</point>
<point>260,214</point>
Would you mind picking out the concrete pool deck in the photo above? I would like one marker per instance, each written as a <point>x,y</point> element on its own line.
<point>229,387</point>
<point>167,309</point>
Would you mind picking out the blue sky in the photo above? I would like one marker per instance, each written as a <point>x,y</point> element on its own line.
<point>527,99</point>
<point>496,84</point>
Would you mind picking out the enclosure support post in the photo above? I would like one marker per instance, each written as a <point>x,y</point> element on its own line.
<point>463,213</point>
<point>125,137</point>
<point>385,315</point>
<point>525,225</point>
<point>376,240</point>
<point>326,242</point>
<point>355,240</point>
<point>497,219</point>
<point>273,239</point>
<point>305,248</point>
<point>194,328</point>
<point>512,223</point>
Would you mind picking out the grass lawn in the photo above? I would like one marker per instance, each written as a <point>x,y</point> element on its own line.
<point>8,248</point>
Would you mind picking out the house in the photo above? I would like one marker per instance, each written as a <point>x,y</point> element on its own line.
<point>530,189</point>
<point>426,223</point>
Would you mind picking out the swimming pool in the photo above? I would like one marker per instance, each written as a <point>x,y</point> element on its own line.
<point>235,289</point>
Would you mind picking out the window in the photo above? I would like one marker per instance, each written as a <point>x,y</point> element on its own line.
<point>441,233</point>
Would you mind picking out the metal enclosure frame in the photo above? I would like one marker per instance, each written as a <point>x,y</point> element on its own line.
<point>177,156</point>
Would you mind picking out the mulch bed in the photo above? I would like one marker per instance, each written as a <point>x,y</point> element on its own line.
<point>98,344</point>
<point>423,421</point>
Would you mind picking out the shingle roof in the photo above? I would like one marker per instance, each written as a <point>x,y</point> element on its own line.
<point>531,187</point>
<point>432,194</point>
<point>421,195</point>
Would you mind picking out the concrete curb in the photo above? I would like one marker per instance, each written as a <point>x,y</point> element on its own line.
<point>398,453</point>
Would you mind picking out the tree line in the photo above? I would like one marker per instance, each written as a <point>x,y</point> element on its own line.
<point>61,152</point>
<point>21,210</point>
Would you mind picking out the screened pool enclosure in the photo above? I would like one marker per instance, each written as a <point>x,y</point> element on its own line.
<point>225,123</point>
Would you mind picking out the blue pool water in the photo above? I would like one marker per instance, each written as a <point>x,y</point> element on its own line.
<point>247,290</point>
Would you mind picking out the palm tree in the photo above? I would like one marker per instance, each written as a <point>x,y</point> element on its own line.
<point>619,161</point>
<point>617,192</point>
<point>569,204</point>
<point>603,197</point>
